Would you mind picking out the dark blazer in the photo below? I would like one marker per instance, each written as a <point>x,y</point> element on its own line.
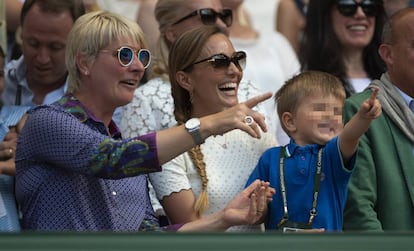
<point>381,190</point>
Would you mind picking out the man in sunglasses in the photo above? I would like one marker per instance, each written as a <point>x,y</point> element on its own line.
<point>382,185</point>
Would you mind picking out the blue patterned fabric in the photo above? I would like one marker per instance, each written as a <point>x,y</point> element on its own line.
<point>8,210</point>
<point>72,176</point>
<point>10,115</point>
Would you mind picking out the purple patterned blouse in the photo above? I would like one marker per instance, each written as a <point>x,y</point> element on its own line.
<point>71,175</point>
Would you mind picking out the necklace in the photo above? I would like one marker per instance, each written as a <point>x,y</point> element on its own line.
<point>221,140</point>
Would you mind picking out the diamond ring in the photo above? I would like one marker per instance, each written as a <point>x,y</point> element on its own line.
<point>248,120</point>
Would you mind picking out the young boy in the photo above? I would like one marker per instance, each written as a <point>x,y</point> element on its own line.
<point>311,173</point>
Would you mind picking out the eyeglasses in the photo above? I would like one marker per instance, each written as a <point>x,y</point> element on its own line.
<point>126,56</point>
<point>349,7</point>
<point>221,60</point>
<point>209,16</point>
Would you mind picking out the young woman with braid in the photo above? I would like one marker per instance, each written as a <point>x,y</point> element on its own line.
<point>152,107</point>
<point>205,72</point>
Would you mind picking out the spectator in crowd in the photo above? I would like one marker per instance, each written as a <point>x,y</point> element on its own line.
<point>312,172</point>
<point>205,72</point>
<point>76,173</point>
<point>39,75</point>
<point>345,42</point>
<point>383,181</point>
<point>35,78</point>
<point>152,107</point>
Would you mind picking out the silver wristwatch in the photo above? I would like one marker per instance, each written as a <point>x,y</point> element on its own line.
<point>193,128</point>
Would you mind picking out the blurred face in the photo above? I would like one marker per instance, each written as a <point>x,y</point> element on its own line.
<point>195,21</point>
<point>214,88</point>
<point>400,59</point>
<point>43,45</point>
<point>111,81</point>
<point>317,120</point>
<point>355,31</point>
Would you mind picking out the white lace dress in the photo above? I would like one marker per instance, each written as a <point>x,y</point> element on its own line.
<point>229,161</point>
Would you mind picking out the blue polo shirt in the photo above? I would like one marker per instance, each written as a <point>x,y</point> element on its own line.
<point>300,168</point>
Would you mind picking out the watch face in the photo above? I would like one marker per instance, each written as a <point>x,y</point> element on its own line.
<point>192,123</point>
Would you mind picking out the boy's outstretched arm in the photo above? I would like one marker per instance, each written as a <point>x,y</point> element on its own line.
<point>349,137</point>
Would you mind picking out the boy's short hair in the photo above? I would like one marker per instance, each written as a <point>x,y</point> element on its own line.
<point>290,95</point>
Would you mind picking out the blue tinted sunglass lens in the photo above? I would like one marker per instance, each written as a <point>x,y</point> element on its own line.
<point>144,57</point>
<point>125,56</point>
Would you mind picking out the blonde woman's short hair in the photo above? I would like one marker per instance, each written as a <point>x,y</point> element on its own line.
<point>93,32</point>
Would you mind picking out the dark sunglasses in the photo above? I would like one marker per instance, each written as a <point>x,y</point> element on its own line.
<point>209,16</point>
<point>349,7</point>
<point>221,60</point>
<point>126,56</point>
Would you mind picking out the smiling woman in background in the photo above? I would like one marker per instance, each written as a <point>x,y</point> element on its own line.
<point>344,43</point>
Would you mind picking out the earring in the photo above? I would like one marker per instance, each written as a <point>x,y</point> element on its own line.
<point>191,97</point>
<point>86,73</point>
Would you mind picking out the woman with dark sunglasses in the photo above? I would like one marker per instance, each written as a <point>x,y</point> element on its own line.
<point>74,171</point>
<point>205,73</point>
<point>152,107</point>
<point>342,37</point>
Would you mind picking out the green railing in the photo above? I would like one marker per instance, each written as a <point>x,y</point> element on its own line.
<point>210,241</point>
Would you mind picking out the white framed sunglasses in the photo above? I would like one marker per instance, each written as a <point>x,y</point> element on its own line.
<point>126,54</point>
